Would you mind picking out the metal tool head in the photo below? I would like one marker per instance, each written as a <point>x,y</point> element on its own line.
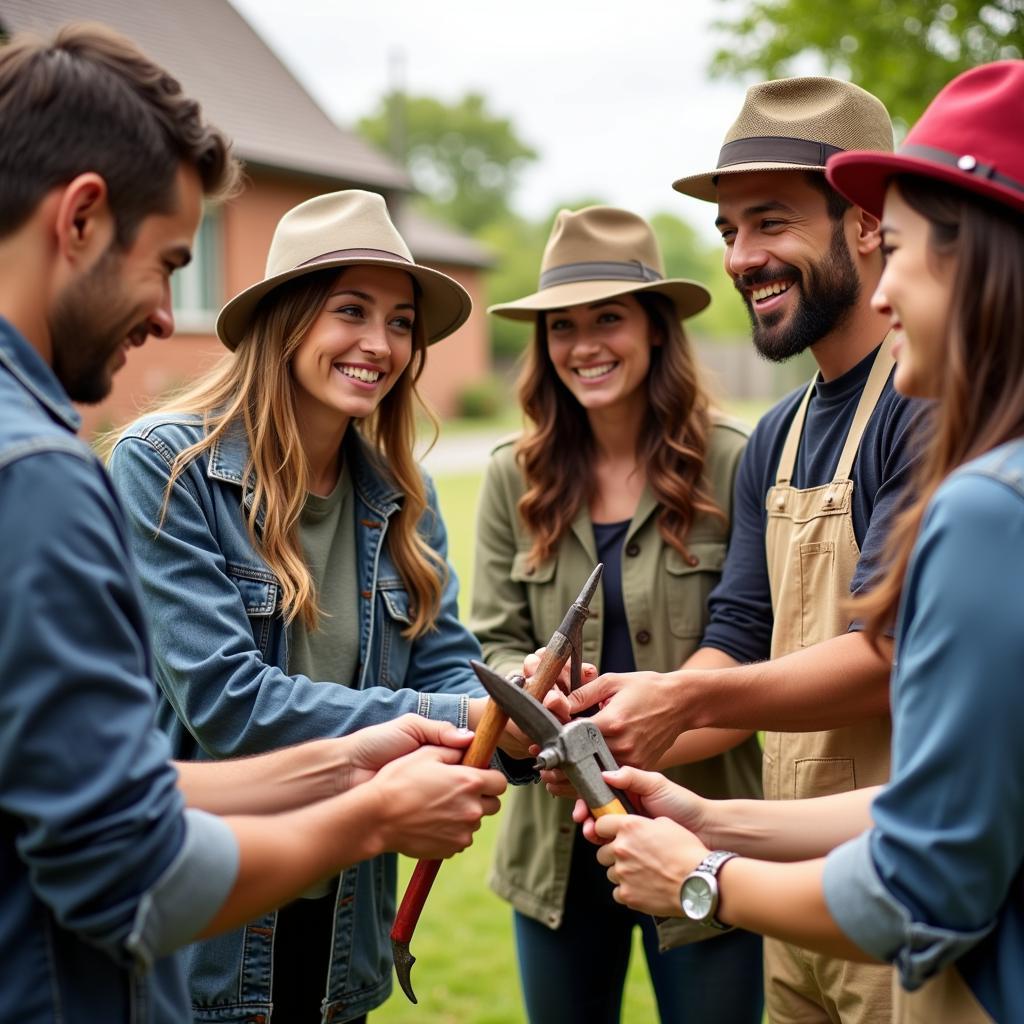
<point>527,712</point>
<point>403,967</point>
<point>572,625</point>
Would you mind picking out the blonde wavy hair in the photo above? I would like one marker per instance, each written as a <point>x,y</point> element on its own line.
<point>253,386</point>
<point>556,454</point>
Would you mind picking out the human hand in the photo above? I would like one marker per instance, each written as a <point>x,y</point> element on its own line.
<point>588,672</point>
<point>371,748</point>
<point>647,860</point>
<point>430,805</point>
<point>638,714</point>
<point>652,795</point>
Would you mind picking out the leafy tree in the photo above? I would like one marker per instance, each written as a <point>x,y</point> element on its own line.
<point>464,158</point>
<point>902,51</point>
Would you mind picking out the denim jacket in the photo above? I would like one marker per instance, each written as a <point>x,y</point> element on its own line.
<point>221,661</point>
<point>102,872</point>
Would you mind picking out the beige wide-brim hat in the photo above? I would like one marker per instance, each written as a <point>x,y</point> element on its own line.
<point>795,124</point>
<point>597,253</point>
<point>341,229</point>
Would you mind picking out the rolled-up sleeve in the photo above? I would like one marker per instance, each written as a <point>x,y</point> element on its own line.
<point>929,880</point>
<point>84,774</point>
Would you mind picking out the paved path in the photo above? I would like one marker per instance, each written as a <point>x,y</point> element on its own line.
<point>461,453</point>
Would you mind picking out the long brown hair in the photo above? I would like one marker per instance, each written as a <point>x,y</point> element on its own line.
<point>981,384</point>
<point>253,386</point>
<point>556,453</point>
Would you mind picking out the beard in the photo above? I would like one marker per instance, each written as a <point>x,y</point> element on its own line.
<point>828,292</point>
<point>88,325</point>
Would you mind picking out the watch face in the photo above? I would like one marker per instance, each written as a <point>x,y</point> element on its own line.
<point>697,898</point>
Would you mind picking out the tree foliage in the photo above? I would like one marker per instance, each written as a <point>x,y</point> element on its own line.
<point>902,51</point>
<point>465,159</point>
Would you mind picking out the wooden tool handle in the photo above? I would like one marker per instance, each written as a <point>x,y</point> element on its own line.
<point>415,896</point>
<point>614,807</point>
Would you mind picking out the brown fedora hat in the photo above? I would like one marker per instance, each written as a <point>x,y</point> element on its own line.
<point>597,253</point>
<point>341,229</point>
<point>795,124</point>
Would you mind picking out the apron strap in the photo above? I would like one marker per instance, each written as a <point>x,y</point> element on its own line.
<point>880,371</point>
<point>788,460</point>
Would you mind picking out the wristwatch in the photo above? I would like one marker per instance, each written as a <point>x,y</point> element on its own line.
<point>698,895</point>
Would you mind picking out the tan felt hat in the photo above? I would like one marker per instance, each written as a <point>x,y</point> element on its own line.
<point>795,124</point>
<point>339,229</point>
<point>597,253</point>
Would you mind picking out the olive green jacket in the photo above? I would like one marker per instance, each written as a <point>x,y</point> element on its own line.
<point>516,607</point>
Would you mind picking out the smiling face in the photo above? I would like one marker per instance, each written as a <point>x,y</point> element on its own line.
<point>601,351</point>
<point>788,258</point>
<point>357,348</point>
<point>914,293</point>
<point>123,298</point>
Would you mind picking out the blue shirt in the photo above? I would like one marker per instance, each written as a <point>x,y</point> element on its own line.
<point>103,871</point>
<point>741,605</point>
<point>938,878</point>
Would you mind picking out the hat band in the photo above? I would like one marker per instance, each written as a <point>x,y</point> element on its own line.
<point>965,162</point>
<point>776,149</point>
<point>357,254</point>
<point>599,270</point>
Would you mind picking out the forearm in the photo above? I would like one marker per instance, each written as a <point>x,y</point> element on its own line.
<point>700,744</point>
<point>785,901</point>
<point>786,830</point>
<point>267,783</point>
<point>281,855</point>
<point>833,684</point>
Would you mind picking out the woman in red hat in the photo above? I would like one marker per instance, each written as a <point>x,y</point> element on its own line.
<point>926,872</point>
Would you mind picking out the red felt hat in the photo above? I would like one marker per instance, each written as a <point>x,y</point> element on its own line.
<point>970,136</point>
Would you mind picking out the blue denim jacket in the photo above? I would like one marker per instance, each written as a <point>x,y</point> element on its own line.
<point>102,872</point>
<point>220,648</point>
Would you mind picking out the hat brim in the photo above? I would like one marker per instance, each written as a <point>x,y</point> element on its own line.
<point>443,305</point>
<point>863,176</point>
<point>689,297</point>
<point>702,186</point>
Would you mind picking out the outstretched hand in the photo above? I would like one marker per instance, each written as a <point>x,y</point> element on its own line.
<point>371,748</point>
<point>638,714</point>
<point>430,805</point>
<point>647,860</point>
<point>652,795</point>
<point>588,672</point>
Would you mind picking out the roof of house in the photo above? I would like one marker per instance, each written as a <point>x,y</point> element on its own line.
<point>434,242</point>
<point>243,86</point>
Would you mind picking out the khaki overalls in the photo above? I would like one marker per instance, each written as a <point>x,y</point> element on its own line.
<point>812,553</point>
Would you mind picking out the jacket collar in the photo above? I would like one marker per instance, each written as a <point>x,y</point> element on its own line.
<point>583,528</point>
<point>29,368</point>
<point>370,476</point>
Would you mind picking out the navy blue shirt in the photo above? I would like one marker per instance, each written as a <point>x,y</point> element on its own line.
<point>616,641</point>
<point>740,606</point>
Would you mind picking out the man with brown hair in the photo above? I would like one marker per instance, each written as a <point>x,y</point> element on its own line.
<point>109,855</point>
<point>817,488</point>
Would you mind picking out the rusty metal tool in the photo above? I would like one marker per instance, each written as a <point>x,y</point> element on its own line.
<point>565,645</point>
<point>577,747</point>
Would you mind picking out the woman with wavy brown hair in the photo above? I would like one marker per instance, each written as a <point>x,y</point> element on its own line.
<point>293,563</point>
<point>927,871</point>
<point>622,462</point>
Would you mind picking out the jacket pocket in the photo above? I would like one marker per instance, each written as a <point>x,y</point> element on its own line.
<point>540,590</point>
<point>688,584</point>
<point>259,592</point>
<point>394,616</point>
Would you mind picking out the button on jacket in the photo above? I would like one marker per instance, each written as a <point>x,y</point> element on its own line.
<point>516,606</point>
<point>102,872</point>
<point>221,657</point>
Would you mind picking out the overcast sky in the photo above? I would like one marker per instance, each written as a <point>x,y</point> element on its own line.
<point>615,97</point>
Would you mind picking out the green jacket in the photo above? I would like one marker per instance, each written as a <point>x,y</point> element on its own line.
<point>516,608</point>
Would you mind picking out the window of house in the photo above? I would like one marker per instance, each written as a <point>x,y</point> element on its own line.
<point>196,288</point>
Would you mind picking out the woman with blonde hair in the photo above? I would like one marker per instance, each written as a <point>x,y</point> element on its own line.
<point>622,462</point>
<point>293,565</point>
<point>925,872</point>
